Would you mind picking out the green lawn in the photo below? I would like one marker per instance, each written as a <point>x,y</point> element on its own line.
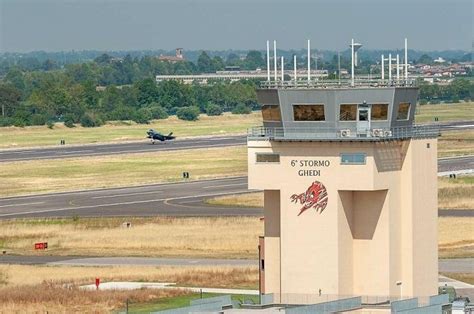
<point>445,112</point>
<point>127,131</point>
<point>183,301</point>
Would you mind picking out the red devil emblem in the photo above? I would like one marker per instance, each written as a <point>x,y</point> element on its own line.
<point>315,197</point>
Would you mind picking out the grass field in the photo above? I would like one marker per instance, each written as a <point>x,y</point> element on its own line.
<point>452,194</point>
<point>42,176</point>
<point>456,237</point>
<point>445,112</point>
<point>125,131</point>
<point>456,143</point>
<point>22,292</point>
<point>220,237</point>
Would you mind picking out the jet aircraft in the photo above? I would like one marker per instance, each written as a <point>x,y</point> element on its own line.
<point>156,136</point>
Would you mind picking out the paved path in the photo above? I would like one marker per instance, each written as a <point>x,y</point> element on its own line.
<point>461,265</point>
<point>118,148</point>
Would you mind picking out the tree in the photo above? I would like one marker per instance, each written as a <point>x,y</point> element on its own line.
<point>204,63</point>
<point>147,92</point>
<point>425,59</point>
<point>188,113</point>
<point>232,59</point>
<point>9,99</point>
<point>254,60</point>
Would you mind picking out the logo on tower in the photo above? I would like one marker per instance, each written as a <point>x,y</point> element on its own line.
<point>316,196</point>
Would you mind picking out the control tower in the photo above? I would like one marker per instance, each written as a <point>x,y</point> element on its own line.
<point>350,189</point>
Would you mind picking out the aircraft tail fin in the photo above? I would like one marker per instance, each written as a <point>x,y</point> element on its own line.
<point>171,133</point>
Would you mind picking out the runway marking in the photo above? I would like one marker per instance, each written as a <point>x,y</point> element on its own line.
<point>150,150</point>
<point>128,194</point>
<point>10,205</point>
<point>110,205</point>
<point>222,185</point>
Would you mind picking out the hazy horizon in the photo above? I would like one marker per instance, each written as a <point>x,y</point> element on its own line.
<point>125,25</point>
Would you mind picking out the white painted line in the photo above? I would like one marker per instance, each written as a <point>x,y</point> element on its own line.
<point>77,151</point>
<point>110,205</point>
<point>127,194</point>
<point>223,185</point>
<point>23,204</point>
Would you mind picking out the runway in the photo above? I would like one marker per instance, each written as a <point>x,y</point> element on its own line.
<point>144,146</point>
<point>171,199</point>
<point>8,155</point>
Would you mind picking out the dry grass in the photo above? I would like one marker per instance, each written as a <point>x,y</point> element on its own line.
<point>219,237</point>
<point>43,176</point>
<point>456,143</point>
<point>124,131</point>
<point>202,276</point>
<point>456,193</point>
<point>464,277</point>
<point>254,199</point>
<point>45,291</point>
<point>48,298</point>
<point>445,112</point>
<point>456,237</point>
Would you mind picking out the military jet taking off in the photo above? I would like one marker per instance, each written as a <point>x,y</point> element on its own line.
<point>156,136</point>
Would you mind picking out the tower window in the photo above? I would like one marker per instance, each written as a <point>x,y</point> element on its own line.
<point>271,113</point>
<point>267,157</point>
<point>347,112</point>
<point>403,111</point>
<point>353,158</point>
<point>379,112</point>
<point>308,112</point>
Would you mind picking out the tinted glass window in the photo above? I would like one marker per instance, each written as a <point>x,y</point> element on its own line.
<point>353,158</point>
<point>347,112</point>
<point>403,111</point>
<point>308,112</point>
<point>271,113</point>
<point>379,112</point>
<point>268,157</point>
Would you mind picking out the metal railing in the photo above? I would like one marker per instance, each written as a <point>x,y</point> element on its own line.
<point>341,133</point>
<point>324,83</point>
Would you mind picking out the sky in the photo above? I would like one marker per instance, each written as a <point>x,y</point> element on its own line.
<point>64,25</point>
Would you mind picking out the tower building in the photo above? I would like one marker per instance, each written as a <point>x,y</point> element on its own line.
<point>350,190</point>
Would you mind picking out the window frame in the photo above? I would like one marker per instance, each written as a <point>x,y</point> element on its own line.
<point>308,104</point>
<point>353,162</point>
<point>268,154</point>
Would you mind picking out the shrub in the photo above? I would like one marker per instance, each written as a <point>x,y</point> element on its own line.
<point>241,109</point>
<point>158,112</point>
<point>423,102</point>
<point>188,113</point>
<point>88,121</point>
<point>19,122</point>
<point>455,99</point>
<point>6,121</point>
<point>213,110</point>
<point>142,116</point>
<point>50,124</point>
<point>38,119</point>
<point>434,101</point>
<point>69,121</point>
